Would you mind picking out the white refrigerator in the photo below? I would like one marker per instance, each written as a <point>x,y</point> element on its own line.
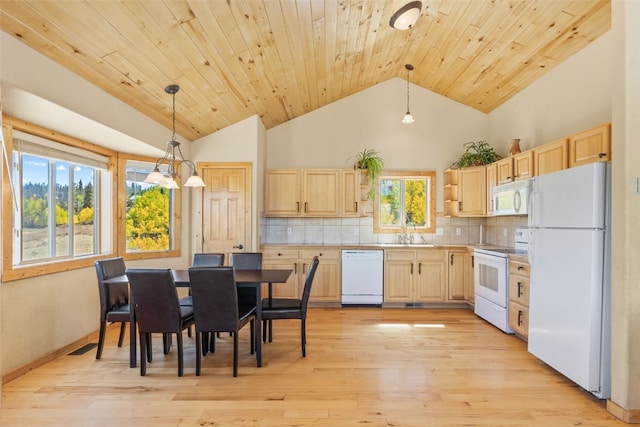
<point>569,253</point>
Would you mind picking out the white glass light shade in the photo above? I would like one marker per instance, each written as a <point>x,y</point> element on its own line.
<point>408,118</point>
<point>155,177</point>
<point>194,181</point>
<point>406,16</point>
<point>171,184</point>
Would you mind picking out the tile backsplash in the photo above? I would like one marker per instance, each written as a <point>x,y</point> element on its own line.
<point>353,231</point>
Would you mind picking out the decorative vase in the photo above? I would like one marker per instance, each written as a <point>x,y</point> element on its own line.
<point>515,147</point>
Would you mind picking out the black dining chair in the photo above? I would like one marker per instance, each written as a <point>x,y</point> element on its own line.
<point>246,261</point>
<point>216,309</point>
<point>207,260</point>
<point>291,308</point>
<point>157,310</point>
<point>114,299</point>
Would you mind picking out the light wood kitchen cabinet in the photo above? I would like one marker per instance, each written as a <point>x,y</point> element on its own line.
<point>460,276</point>
<point>414,275</point>
<point>492,181</point>
<point>551,157</point>
<point>350,193</point>
<point>469,277</point>
<point>519,273</point>
<point>592,145</point>
<point>505,170</point>
<point>326,283</point>
<point>523,164</point>
<point>309,192</point>
<point>450,193</point>
<point>472,191</point>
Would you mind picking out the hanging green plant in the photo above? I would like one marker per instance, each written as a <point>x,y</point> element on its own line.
<point>369,160</point>
<point>476,153</point>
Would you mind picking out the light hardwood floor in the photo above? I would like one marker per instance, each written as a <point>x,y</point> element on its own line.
<point>364,366</point>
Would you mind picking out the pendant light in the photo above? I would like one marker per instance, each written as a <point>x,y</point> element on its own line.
<point>406,16</point>
<point>408,118</point>
<point>173,158</point>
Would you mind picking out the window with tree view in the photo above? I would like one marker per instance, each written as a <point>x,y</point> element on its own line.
<point>149,211</point>
<point>405,202</point>
<point>57,193</point>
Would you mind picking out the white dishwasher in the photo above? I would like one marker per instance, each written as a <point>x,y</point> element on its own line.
<point>362,277</point>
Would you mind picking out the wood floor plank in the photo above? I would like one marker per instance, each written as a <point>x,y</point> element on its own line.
<point>364,366</point>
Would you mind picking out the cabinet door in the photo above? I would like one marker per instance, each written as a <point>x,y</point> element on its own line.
<point>592,145</point>
<point>505,170</point>
<point>326,283</point>
<point>523,165</point>
<point>469,277</point>
<point>320,192</point>
<point>551,157</point>
<point>282,193</point>
<point>291,289</point>
<point>430,276</point>
<point>398,276</point>
<point>350,192</point>
<point>473,191</point>
<point>492,181</point>
<point>456,276</point>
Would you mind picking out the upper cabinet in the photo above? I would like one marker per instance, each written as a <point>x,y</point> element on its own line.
<point>492,181</point>
<point>472,191</point>
<point>551,157</point>
<point>450,179</point>
<point>311,193</point>
<point>591,145</point>
<point>523,165</point>
<point>504,170</point>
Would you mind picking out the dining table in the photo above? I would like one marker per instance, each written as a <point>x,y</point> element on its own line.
<point>244,279</point>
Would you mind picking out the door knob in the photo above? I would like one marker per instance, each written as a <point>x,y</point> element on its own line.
<point>239,246</point>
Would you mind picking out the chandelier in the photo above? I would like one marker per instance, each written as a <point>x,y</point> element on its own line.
<point>173,158</point>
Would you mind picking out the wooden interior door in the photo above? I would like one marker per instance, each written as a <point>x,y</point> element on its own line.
<point>226,209</point>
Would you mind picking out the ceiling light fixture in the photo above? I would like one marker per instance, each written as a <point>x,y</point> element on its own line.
<point>172,161</point>
<point>406,16</point>
<point>408,118</point>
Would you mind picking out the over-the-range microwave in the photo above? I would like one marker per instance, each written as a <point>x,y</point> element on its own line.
<point>511,198</point>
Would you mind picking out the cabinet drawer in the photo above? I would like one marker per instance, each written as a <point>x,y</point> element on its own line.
<point>308,254</point>
<point>399,255</point>
<point>430,255</point>
<point>280,254</point>
<point>519,318</point>
<point>519,289</point>
<point>517,267</point>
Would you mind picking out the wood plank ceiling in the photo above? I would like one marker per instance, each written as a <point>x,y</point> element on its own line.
<point>281,59</point>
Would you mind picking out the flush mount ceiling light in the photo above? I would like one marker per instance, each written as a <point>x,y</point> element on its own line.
<point>408,118</point>
<point>406,16</point>
<point>173,158</point>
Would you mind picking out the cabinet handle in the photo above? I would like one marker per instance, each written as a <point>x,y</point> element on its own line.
<point>297,206</point>
<point>295,268</point>
<point>306,205</point>
<point>450,259</point>
<point>460,205</point>
<point>356,206</point>
<point>279,254</point>
<point>412,268</point>
<point>601,155</point>
<point>320,254</point>
<point>473,261</point>
<point>520,267</point>
<point>520,314</point>
<point>519,289</point>
<point>419,268</point>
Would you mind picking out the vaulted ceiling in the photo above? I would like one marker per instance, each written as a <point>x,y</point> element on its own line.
<point>281,59</point>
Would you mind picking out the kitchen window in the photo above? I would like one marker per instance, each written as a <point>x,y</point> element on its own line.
<point>405,202</point>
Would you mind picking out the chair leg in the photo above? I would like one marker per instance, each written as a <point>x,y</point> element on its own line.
<point>103,330</point>
<point>166,343</point>
<point>270,322</point>
<point>205,339</point>
<point>189,331</point>
<point>199,336</point>
<point>235,354</point>
<point>252,339</point>
<point>264,330</point>
<point>143,355</point>
<point>303,336</point>
<point>123,327</point>
<point>212,342</point>
<point>180,355</point>
<point>149,348</point>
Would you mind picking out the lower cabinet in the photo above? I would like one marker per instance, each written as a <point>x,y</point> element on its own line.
<point>460,277</point>
<point>519,273</point>
<point>326,283</point>
<point>415,276</point>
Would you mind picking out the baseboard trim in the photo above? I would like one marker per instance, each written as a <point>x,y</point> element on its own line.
<point>12,375</point>
<point>630,416</point>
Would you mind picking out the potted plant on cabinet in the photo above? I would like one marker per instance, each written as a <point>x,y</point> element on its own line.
<point>476,153</point>
<point>369,162</point>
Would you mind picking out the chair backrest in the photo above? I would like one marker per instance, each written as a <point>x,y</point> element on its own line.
<point>112,295</point>
<point>207,260</point>
<point>155,299</point>
<point>247,260</point>
<point>215,299</point>
<point>306,292</point>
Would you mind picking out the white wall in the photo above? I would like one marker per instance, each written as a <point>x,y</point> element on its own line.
<point>329,136</point>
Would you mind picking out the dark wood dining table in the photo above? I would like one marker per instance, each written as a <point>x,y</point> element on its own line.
<point>244,279</point>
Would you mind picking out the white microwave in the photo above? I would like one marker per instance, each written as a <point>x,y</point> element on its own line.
<point>511,198</point>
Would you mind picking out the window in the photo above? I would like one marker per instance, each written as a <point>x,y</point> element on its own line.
<point>405,202</point>
<point>148,216</point>
<point>56,189</point>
